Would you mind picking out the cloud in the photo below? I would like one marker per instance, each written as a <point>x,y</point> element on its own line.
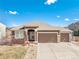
<point>58,16</point>
<point>13,12</point>
<point>67,19</point>
<point>76,19</point>
<point>49,2</point>
<point>14,24</point>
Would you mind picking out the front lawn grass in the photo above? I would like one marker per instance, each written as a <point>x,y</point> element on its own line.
<point>12,52</point>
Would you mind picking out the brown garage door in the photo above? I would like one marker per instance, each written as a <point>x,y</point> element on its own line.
<point>64,37</point>
<point>47,37</point>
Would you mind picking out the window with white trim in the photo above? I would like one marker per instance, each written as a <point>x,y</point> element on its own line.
<point>19,34</point>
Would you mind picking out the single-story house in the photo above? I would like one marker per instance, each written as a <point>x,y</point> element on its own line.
<point>40,33</point>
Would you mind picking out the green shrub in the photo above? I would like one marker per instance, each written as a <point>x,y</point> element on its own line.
<point>76,33</point>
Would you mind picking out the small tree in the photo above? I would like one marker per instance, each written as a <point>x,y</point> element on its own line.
<point>76,33</point>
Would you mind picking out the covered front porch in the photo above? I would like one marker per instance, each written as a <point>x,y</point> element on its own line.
<point>24,34</point>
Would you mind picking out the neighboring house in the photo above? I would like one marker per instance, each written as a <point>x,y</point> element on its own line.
<point>41,33</point>
<point>2,31</point>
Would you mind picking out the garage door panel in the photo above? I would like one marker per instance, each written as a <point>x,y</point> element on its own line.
<point>47,37</point>
<point>64,37</point>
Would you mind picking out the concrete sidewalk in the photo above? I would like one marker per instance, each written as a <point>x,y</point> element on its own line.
<point>56,51</point>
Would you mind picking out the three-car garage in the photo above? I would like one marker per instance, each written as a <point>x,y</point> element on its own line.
<point>52,37</point>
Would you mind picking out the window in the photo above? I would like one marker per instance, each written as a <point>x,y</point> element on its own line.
<point>19,34</point>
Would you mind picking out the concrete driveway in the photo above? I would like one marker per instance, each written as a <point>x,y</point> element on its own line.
<point>57,51</point>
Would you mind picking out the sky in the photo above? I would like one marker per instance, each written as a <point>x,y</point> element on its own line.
<point>53,12</point>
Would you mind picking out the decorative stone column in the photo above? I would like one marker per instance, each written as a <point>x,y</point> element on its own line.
<point>36,36</point>
<point>26,34</point>
<point>70,37</point>
<point>58,38</point>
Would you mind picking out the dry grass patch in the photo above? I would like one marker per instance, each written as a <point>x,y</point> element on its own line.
<point>32,52</point>
<point>12,52</point>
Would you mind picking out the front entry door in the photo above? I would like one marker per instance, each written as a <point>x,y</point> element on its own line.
<point>31,35</point>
